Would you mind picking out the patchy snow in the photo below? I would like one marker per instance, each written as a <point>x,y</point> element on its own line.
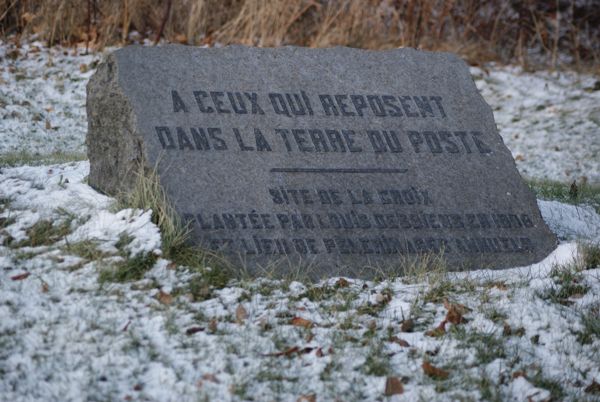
<point>570,221</point>
<point>66,336</point>
<point>549,120</point>
<point>521,389</point>
<point>42,98</point>
<point>106,228</point>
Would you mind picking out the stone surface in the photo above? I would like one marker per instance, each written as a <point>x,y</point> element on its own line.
<point>341,161</point>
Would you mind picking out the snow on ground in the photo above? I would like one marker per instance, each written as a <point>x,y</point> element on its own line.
<point>66,334</point>
<point>549,120</point>
<point>42,98</point>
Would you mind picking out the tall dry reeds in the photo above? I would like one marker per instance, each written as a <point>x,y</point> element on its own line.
<point>526,31</point>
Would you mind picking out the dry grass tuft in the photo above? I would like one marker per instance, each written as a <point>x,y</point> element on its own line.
<point>528,32</point>
<point>149,194</point>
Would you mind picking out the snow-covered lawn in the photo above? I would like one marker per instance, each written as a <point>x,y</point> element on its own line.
<point>69,334</point>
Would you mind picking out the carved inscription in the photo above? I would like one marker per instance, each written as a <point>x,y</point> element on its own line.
<point>397,217</point>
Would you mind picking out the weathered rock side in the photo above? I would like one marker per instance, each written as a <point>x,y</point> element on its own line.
<point>114,147</point>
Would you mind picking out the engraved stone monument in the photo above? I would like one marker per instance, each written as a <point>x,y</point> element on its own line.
<point>343,159</point>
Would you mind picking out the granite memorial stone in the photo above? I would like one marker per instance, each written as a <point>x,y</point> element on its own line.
<point>344,159</point>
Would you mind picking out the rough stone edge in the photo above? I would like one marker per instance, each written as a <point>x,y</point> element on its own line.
<point>528,192</point>
<point>114,147</point>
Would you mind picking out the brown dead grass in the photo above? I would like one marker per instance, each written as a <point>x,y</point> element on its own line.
<point>479,30</point>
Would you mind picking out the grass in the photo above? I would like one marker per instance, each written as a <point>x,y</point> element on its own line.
<point>6,221</point>
<point>377,363</point>
<point>202,285</point>
<point>488,346</point>
<point>590,255</point>
<point>45,232</point>
<point>128,269</point>
<point>568,283</point>
<point>86,249</point>
<point>431,267</point>
<point>554,190</point>
<point>590,319</point>
<point>25,158</point>
<point>319,293</point>
<point>149,194</point>
<point>556,390</point>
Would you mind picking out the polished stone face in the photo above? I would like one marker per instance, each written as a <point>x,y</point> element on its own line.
<point>341,161</point>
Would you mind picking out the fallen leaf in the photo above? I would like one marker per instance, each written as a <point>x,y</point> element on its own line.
<point>433,371</point>
<point>286,352</point>
<point>461,308</point>
<point>393,386</point>
<point>83,68</point>
<point>455,312</point>
<point>20,277</point>
<point>240,314</point>
<point>319,352</point>
<point>208,40</point>
<point>518,374</point>
<point>506,330</point>
<point>407,325</point>
<point>307,398</point>
<point>181,38</point>
<point>519,157</point>
<point>519,331</point>
<point>172,265</point>
<point>453,316</point>
<point>212,325</point>
<point>301,322</point>
<point>400,341</point>
<point>48,125</point>
<point>126,326</point>
<point>210,377</point>
<point>290,351</point>
<point>193,330</point>
<point>13,54</point>
<point>342,283</point>
<point>593,388</point>
<point>438,331</point>
<point>138,387</point>
<point>45,288</point>
<point>164,298</point>
<point>27,17</point>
